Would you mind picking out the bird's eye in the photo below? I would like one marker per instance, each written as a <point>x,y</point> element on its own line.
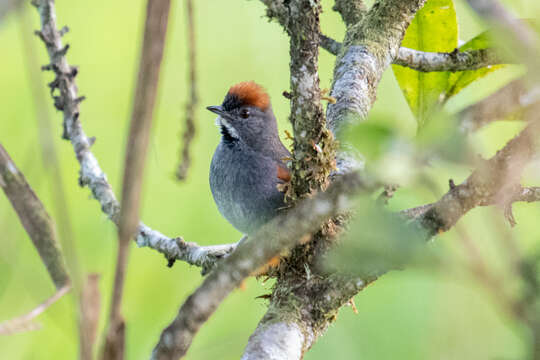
<point>244,113</point>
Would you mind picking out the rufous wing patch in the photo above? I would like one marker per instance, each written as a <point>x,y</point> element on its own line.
<point>283,174</point>
<point>251,93</point>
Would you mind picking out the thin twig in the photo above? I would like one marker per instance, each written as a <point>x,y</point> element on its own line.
<point>157,14</point>
<point>91,175</point>
<point>191,105</point>
<point>34,217</point>
<point>25,322</point>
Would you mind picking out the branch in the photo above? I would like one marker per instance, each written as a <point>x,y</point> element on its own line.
<point>432,61</point>
<point>189,132</point>
<point>34,218</point>
<point>519,36</point>
<point>299,314</point>
<point>25,322</point>
<point>351,11</point>
<point>369,48</point>
<point>454,61</point>
<point>330,45</point>
<point>314,148</point>
<point>279,234</point>
<point>6,6</point>
<point>513,101</point>
<point>495,181</point>
<point>89,311</point>
<point>91,175</point>
<point>157,14</point>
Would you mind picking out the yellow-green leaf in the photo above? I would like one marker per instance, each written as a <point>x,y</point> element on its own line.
<point>459,80</point>
<point>433,29</point>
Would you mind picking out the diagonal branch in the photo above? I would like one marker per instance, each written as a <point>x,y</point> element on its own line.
<point>25,322</point>
<point>91,175</point>
<point>35,219</point>
<point>494,182</point>
<point>279,234</point>
<point>513,101</point>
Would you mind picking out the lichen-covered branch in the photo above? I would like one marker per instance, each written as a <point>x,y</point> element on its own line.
<point>35,219</point>
<point>330,45</point>
<point>91,175</point>
<point>440,61</point>
<point>296,319</point>
<point>279,234</point>
<point>432,61</point>
<point>513,101</point>
<point>351,11</point>
<point>369,48</point>
<point>314,148</point>
<point>7,6</point>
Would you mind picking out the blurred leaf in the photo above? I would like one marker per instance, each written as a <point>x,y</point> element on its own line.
<point>459,80</point>
<point>5,271</point>
<point>377,241</point>
<point>370,138</point>
<point>442,138</point>
<point>433,29</point>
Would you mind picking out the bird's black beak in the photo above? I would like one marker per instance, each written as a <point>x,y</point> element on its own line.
<point>216,109</point>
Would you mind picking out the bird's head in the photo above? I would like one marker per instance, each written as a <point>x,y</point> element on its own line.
<point>246,115</point>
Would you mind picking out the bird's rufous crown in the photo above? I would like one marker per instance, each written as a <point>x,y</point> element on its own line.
<point>247,93</point>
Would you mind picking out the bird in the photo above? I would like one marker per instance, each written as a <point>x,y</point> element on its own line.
<point>249,162</point>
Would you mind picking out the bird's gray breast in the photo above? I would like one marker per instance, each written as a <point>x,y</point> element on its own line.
<point>244,186</point>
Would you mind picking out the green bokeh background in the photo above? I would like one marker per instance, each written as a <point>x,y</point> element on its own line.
<point>421,313</point>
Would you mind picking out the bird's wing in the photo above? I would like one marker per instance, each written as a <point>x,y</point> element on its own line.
<point>283,173</point>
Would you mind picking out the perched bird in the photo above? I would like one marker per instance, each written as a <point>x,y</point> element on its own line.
<point>248,164</point>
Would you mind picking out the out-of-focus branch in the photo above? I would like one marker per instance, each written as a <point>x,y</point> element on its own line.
<point>454,61</point>
<point>157,15</point>
<point>495,181</point>
<point>34,218</point>
<point>513,101</point>
<point>91,175</point>
<point>279,234</point>
<point>521,194</point>
<point>7,6</point>
<point>518,35</point>
<point>25,322</point>
<point>191,105</point>
<point>90,308</point>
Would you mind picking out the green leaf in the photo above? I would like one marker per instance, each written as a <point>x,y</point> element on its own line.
<point>370,138</point>
<point>433,29</point>
<point>459,80</point>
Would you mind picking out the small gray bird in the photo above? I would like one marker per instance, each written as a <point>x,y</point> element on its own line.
<point>248,163</point>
